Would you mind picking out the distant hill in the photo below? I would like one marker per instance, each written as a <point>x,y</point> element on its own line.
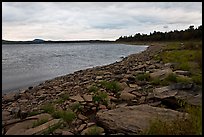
<point>40,41</point>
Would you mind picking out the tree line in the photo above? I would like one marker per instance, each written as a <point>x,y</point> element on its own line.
<point>189,34</point>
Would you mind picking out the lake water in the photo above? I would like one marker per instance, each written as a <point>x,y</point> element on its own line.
<point>24,65</point>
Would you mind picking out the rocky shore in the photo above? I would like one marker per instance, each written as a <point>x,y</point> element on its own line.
<point>116,99</point>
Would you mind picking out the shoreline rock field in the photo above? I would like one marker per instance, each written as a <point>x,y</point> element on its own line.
<point>116,99</point>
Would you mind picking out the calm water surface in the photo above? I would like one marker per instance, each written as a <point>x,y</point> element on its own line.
<point>25,65</point>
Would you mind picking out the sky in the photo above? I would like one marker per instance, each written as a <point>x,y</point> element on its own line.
<point>95,20</point>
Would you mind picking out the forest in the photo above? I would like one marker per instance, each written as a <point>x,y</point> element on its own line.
<point>189,34</point>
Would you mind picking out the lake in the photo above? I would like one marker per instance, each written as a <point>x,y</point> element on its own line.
<point>25,65</point>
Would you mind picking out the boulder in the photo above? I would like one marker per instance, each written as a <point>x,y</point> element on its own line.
<point>10,97</point>
<point>133,119</point>
<point>161,73</point>
<point>127,96</point>
<point>164,92</point>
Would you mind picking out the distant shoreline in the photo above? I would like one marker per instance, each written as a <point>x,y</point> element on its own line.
<point>48,42</point>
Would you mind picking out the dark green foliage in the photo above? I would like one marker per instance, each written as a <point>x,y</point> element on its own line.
<point>188,34</point>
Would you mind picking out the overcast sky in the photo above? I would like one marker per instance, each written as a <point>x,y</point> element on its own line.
<point>95,20</point>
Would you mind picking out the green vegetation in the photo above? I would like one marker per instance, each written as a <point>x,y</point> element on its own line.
<point>112,86</point>
<point>191,125</point>
<point>171,78</point>
<point>51,129</point>
<point>187,56</point>
<point>39,122</point>
<point>101,98</point>
<point>143,77</point>
<point>93,89</point>
<point>94,130</point>
<point>68,116</point>
<point>62,98</point>
<point>189,34</point>
<point>76,107</point>
<point>48,108</point>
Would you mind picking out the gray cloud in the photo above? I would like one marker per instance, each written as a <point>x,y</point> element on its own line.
<point>99,20</point>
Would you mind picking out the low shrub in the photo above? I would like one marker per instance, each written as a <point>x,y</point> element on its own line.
<point>48,108</point>
<point>143,77</point>
<point>93,89</point>
<point>101,98</point>
<point>113,86</point>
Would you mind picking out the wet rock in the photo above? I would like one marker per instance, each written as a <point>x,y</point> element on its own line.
<point>133,119</point>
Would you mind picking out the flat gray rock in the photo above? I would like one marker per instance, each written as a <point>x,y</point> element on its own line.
<point>133,119</point>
